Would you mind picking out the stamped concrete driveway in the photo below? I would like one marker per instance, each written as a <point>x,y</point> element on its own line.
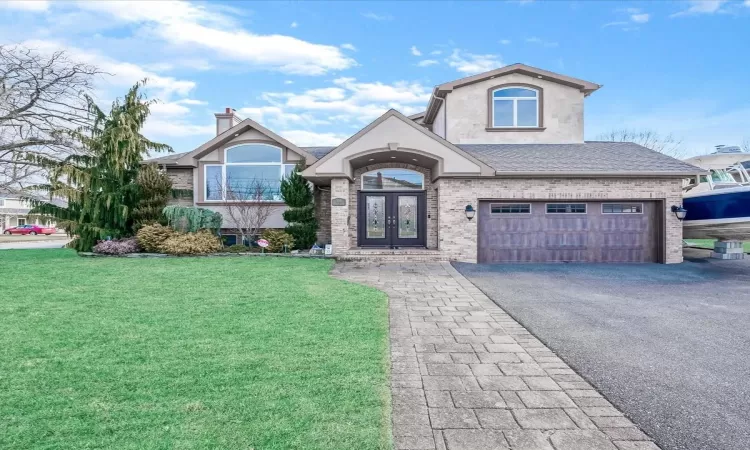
<point>669,345</point>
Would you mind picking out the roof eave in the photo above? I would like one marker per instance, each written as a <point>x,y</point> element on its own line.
<point>599,174</point>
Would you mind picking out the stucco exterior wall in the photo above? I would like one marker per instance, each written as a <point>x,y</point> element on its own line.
<point>430,195</point>
<point>467,114</point>
<point>458,236</point>
<point>438,126</point>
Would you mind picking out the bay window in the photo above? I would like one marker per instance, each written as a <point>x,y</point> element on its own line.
<point>250,172</point>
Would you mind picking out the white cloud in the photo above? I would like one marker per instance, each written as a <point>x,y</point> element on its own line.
<point>121,74</point>
<point>192,26</point>
<point>288,82</point>
<point>156,127</point>
<point>427,62</point>
<point>276,116</point>
<point>470,63</point>
<point>747,3</point>
<point>294,25</point>
<point>616,24</point>
<point>305,138</point>
<point>505,41</point>
<point>440,52</point>
<point>347,100</point>
<point>640,18</point>
<point>25,5</point>
<point>701,7</point>
<point>349,46</point>
<point>380,17</point>
<point>415,51</point>
<point>542,42</point>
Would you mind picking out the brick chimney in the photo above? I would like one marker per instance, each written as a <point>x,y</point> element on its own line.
<point>226,120</point>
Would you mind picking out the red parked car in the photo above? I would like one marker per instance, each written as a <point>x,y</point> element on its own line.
<point>30,229</point>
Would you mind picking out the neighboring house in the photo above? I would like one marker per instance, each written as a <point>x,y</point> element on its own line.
<point>14,212</point>
<point>507,144</point>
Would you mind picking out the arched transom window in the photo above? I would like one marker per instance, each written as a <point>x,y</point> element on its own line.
<point>393,179</point>
<point>515,107</point>
<point>249,172</point>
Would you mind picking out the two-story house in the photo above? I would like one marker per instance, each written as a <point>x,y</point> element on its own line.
<point>14,212</point>
<point>496,169</point>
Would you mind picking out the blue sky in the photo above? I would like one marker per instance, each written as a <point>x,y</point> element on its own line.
<point>316,72</point>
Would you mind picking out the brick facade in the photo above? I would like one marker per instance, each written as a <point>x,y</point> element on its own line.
<point>323,213</point>
<point>458,236</point>
<point>340,219</point>
<point>430,195</point>
<point>182,178</point>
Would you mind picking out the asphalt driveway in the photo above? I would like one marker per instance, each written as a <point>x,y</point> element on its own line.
<point>667,344</point>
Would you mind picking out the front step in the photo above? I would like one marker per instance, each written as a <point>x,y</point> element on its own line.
<point>393,255</point>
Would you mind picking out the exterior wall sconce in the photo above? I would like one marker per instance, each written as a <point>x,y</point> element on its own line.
<point>679,211</point>
<point>469,212</point>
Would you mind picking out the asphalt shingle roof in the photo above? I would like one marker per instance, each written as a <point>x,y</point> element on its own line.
<point>592,156</point>
<point>589,157</point>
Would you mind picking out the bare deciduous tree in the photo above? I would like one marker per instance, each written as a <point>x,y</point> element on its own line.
<point>248,205</point>
<point>41,101</point>
<point>647,138</point>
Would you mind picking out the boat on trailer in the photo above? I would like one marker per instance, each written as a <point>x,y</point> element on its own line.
<point>718,203</point>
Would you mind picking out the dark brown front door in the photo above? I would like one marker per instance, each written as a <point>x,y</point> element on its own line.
<point>391,219</point>
<point>568,231</point>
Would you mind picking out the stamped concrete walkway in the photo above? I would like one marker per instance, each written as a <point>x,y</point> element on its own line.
<point>466,376</point>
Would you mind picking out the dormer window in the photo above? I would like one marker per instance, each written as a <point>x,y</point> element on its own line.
<point>515,106</point>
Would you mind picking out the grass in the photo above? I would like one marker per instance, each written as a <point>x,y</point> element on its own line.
<point>189,353</point>
<point>709,243</point>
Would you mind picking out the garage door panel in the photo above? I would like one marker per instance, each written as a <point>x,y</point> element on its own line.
<point>568,237</point>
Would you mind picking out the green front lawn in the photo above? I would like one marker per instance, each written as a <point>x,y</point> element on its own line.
<point>709,243</point>
<point>189,353</point>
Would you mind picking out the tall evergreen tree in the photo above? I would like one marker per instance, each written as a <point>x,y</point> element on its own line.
<point>99,184</point>
<point>300,217</point>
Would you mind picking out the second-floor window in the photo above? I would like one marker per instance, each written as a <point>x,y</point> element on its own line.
<point>515,107</point>
<point>249,172</point>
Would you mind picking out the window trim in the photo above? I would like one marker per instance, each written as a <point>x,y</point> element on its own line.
<point>510,213</point>
<point>622,203</point>
<point>362,180</point>
<point>585,208</point>
<point>539,108</point>
<point>223,165</point>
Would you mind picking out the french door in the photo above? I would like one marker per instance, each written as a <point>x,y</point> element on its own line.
<point>391,219</point>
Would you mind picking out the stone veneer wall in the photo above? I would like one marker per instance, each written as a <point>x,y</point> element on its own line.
<point>340,216</point>
<point>323,214</point>
<point>458,236</point>
<point>182,178</point>
<point>430,196</point>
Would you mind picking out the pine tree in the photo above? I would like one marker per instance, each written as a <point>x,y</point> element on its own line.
<point>99,183</point>
<point>154,192</point>
<point>300,217</point>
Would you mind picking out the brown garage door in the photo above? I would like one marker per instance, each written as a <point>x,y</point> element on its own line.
<point>568,232</point>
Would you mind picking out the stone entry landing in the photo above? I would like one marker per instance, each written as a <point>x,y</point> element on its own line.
<point>466,376</point>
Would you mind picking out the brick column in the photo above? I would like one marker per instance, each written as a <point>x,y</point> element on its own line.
<point>340,215</point>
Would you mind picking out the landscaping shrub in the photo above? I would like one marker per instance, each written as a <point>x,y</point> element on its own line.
<point>202,241</point>
<point>152,237</point>
<point>277,239</point>
<point>300,216</point>
<point>192,219</point>
<point>117,246</point>
<point>237,248</point>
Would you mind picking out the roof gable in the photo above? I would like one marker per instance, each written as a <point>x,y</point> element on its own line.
<point>190,158</point>
<point>481,167</point>
<point>442,90</point>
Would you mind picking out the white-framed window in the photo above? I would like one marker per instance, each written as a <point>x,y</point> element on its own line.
<point>515,107</point>
<point>566,208</point>
<point>249,172</point>
<point>392,179</point>
<point>510,208</point>
<point>21,221</point>
<point>622,208</point>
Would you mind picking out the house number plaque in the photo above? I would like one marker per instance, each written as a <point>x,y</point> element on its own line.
<point>338,202</point>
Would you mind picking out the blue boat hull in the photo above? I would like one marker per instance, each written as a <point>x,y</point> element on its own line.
<point>719,214</point>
